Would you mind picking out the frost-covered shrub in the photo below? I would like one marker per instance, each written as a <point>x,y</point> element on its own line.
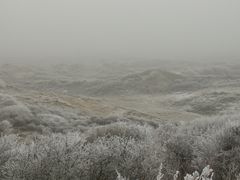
<point>13,111</point>
<point>103,121</point>
<point>126,147</point>
<point>165,132</point>
<point>54,122</point>
<point>119,176</point>
<point>5,127</point>
<point>121,129</point>
<point>207,174</point>
<point>17,115</point>
<point>217,142</point>
<point>226,159</point>
<point>70,156</point>
<point>108,154</point>
<point>135,151</point>
<point>179,155</point>
<point>53,157</point>
<point>129,156</point>
<point>8,146</point>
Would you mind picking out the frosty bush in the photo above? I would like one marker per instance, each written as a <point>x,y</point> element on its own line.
<point>13,111</point>
<point>119,176</point>
<point>179,155</point>
<point>70,156</point>
<point>219,146</point>
<point>120,129</point>
<point>135,151</point>
<point>207,174</point>
<point>5,127</point>
<point>17,115</point>
<point>53,157</point>
<point>7,152</point>
<point>103,121</point>
<point>54,122</point>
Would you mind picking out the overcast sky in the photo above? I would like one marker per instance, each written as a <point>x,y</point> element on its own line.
<point>120,28</point>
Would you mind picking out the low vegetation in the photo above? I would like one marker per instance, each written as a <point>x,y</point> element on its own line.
<point>135,151</point>
<point>143,124</point>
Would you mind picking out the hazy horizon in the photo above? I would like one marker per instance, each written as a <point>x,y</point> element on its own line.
<point>166,29</point>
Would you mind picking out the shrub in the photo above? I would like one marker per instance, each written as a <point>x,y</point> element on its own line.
<point>226,159</point>
<point>17,115</point>
<point>54,122</point>
<point>121,129</point>
<point>103,121</point>
<point>5,127</point>
<point>14,112</point>
<point>135,151</point>
<point>179,155</point>
<point>53,157</point>
<point>7,152</point>
<point>70,156</point>
<point>219,146</point>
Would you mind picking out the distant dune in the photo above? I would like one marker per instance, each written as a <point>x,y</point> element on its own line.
<point>147,82</point>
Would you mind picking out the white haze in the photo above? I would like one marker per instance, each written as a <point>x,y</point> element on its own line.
<point>171,29</point>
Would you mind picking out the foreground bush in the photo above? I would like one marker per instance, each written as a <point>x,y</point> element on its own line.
<point>207,174</point>
<point>70,157</point>
<point>135,151</point>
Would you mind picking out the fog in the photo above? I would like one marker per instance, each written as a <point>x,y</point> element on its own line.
<point>119,89</point>
<point>115,29</point>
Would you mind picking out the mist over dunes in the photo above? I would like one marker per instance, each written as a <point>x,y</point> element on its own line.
<point>126,90</point>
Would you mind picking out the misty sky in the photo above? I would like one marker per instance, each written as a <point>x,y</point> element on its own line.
<point>120,28</point>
